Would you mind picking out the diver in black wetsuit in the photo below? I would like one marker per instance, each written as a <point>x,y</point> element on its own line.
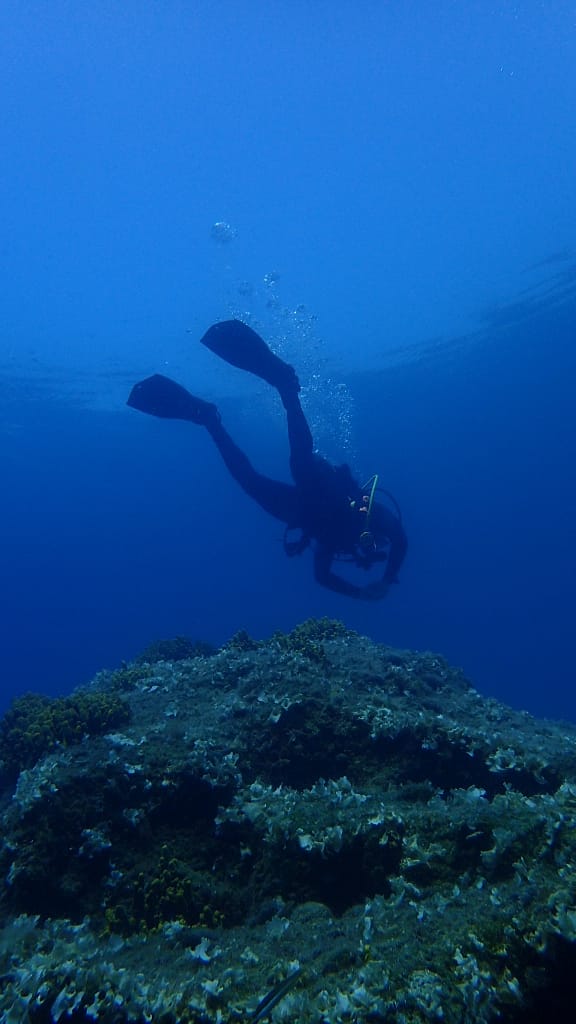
<point>325,503</point>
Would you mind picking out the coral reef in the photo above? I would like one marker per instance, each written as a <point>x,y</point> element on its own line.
<point>310,829</point>
<point>178,648</point>
<point>35,724</point>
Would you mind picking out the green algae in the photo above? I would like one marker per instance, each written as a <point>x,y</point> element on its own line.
<point>35,724</point>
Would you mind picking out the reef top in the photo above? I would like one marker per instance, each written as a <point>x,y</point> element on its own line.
<point>309,828</point>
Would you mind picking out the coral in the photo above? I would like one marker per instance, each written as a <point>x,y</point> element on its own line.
<point>127,677</point>
<point>314,827</point>
<point>241,641</point>
<point>310,636</point>
<point>178,648</point>
<point>35,724</point>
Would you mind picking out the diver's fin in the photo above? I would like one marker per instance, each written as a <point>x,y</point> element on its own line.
<point>239,345</point>
<point>160,396</point>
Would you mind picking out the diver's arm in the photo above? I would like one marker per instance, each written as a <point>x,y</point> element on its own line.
<point>323,558</point>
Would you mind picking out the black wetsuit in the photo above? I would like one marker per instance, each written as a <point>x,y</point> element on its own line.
<point>324,503</point>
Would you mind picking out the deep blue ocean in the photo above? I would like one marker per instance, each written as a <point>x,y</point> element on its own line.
<point>385,191</point>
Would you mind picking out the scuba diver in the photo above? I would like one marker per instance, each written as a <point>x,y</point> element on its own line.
<point>325,504</point>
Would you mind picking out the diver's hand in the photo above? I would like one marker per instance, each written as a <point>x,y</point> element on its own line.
<point>375,591</point>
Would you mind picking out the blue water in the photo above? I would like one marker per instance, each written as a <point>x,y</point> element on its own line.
<point>399,181</point>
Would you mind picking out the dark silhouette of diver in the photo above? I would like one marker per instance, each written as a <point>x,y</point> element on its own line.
<point>325,503</point>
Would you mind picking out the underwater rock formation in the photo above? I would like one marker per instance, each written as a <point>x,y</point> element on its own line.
<point>309,829</point>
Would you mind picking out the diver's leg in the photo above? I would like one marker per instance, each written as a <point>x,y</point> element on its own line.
<point>163,397</point>
<point>276,498</point>
<point>302,457</point>
<point>241,346</point>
